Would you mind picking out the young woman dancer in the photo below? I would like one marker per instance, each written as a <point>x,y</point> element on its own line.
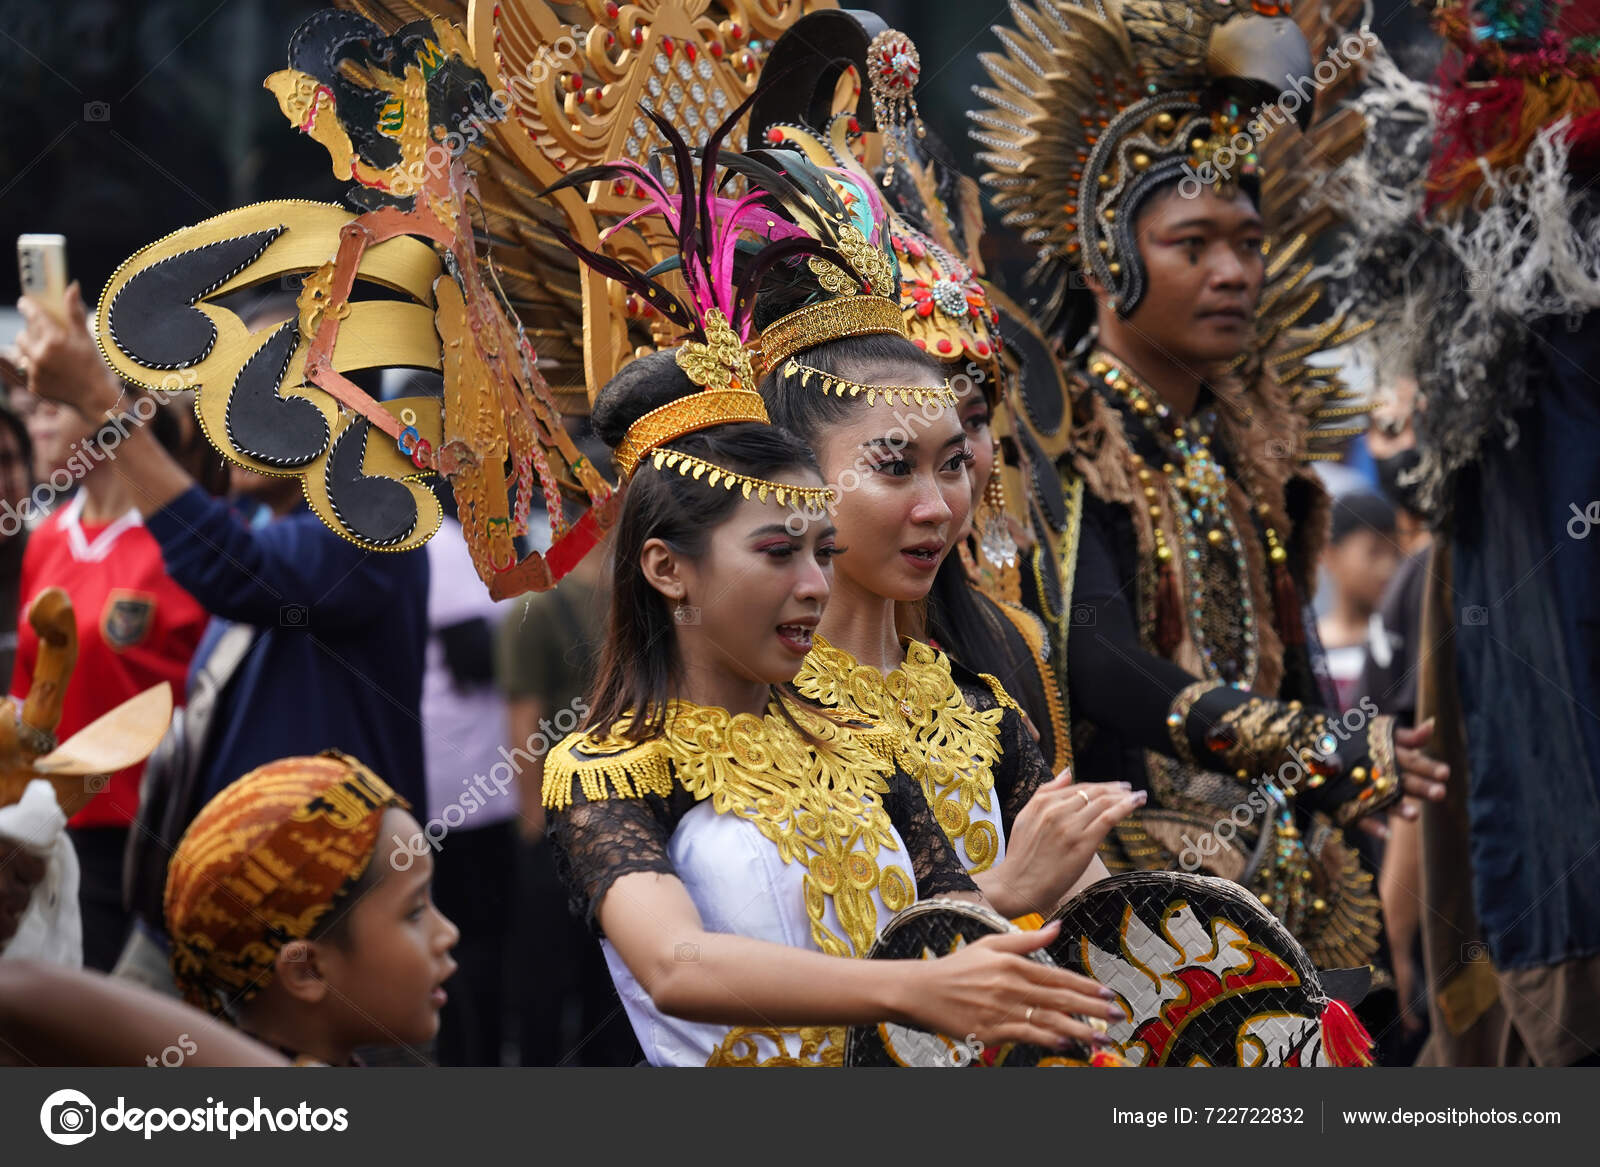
<point>731,850</point>
<point>840,373</point>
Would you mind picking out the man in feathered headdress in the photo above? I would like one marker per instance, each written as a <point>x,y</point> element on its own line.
<point>1120,138</point>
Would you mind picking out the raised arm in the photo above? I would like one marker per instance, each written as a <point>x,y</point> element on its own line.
<point>64,365</point>
<point>614,856</point>
<point>293,571</point>
<point>257,577</point>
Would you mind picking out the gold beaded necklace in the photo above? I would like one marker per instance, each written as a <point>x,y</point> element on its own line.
<point>1196,488</point>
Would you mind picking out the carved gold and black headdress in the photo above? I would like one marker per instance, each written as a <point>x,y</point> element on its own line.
<point>446,128</point>
<point>398,282</point>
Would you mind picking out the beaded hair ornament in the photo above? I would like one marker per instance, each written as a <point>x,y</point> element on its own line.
<point>944,309</point>
<point>725,246</point>
<point>935,215</point>
<point>858,292</point>
<point>857,282</point>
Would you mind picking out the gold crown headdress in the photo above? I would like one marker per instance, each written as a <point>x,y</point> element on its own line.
<point>1097,103</point>
<point>853,273</point>
<point>944,308</point>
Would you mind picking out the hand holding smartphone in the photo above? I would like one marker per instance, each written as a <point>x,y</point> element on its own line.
<point>42,266</point>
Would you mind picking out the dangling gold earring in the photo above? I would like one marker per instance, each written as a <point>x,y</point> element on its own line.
<point>994,533</point>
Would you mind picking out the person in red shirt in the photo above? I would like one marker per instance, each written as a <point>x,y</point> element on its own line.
<point>136,628</point>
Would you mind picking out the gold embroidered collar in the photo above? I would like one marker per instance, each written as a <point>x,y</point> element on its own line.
<point>820,807</point>
<point>951,748</point>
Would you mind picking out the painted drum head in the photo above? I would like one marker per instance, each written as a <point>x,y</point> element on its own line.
<point>1205,974</point>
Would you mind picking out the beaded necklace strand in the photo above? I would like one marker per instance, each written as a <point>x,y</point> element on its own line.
<point>1197,494</point>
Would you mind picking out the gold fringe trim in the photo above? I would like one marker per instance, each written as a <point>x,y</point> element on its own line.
<point>999,691</point>
<point>633,773</point>
<point>814,498</point>
<point>843,387</point>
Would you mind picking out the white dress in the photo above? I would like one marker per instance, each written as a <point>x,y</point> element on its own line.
<point>774,839</point>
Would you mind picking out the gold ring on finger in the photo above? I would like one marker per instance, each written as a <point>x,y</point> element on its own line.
<point>1084,794</point>
<point>1027,1017</point>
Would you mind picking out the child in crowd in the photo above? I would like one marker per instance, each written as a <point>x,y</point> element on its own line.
<point>290,918</point>
<point>1360,559</point>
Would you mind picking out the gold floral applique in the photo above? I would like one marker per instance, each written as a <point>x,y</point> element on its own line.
<point>750,1047</point>
<point>821,808</point>
<point>951,748</point>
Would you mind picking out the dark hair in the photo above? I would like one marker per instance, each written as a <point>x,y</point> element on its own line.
<point>964,627</point>
<point>970,627</point>
<point>639,664</point>
<point>1361,511</point>
<point>806,411</point>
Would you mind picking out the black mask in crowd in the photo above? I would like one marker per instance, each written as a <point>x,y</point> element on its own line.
<point>1390,472</point>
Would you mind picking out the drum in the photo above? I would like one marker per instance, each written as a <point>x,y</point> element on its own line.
<point>926,931</point>
<point>1205,974</point>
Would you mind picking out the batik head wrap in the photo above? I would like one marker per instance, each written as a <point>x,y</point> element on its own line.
<point>267,861</point>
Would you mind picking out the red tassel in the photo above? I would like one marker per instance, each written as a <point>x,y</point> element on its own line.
<point>1286,598</point>
<point>1169,621</point>
<point>1345,1039</point>
<point>584,535</point>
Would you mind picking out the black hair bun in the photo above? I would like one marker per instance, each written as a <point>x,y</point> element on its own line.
<point>643,384</point>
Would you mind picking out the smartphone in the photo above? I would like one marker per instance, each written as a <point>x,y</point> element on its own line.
<point>42,264</point>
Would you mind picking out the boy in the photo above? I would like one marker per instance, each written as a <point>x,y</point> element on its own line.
<point>288,917</point>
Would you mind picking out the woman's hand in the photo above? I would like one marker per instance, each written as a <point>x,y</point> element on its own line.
<point>992,990</point>
<point>1053,841</point>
